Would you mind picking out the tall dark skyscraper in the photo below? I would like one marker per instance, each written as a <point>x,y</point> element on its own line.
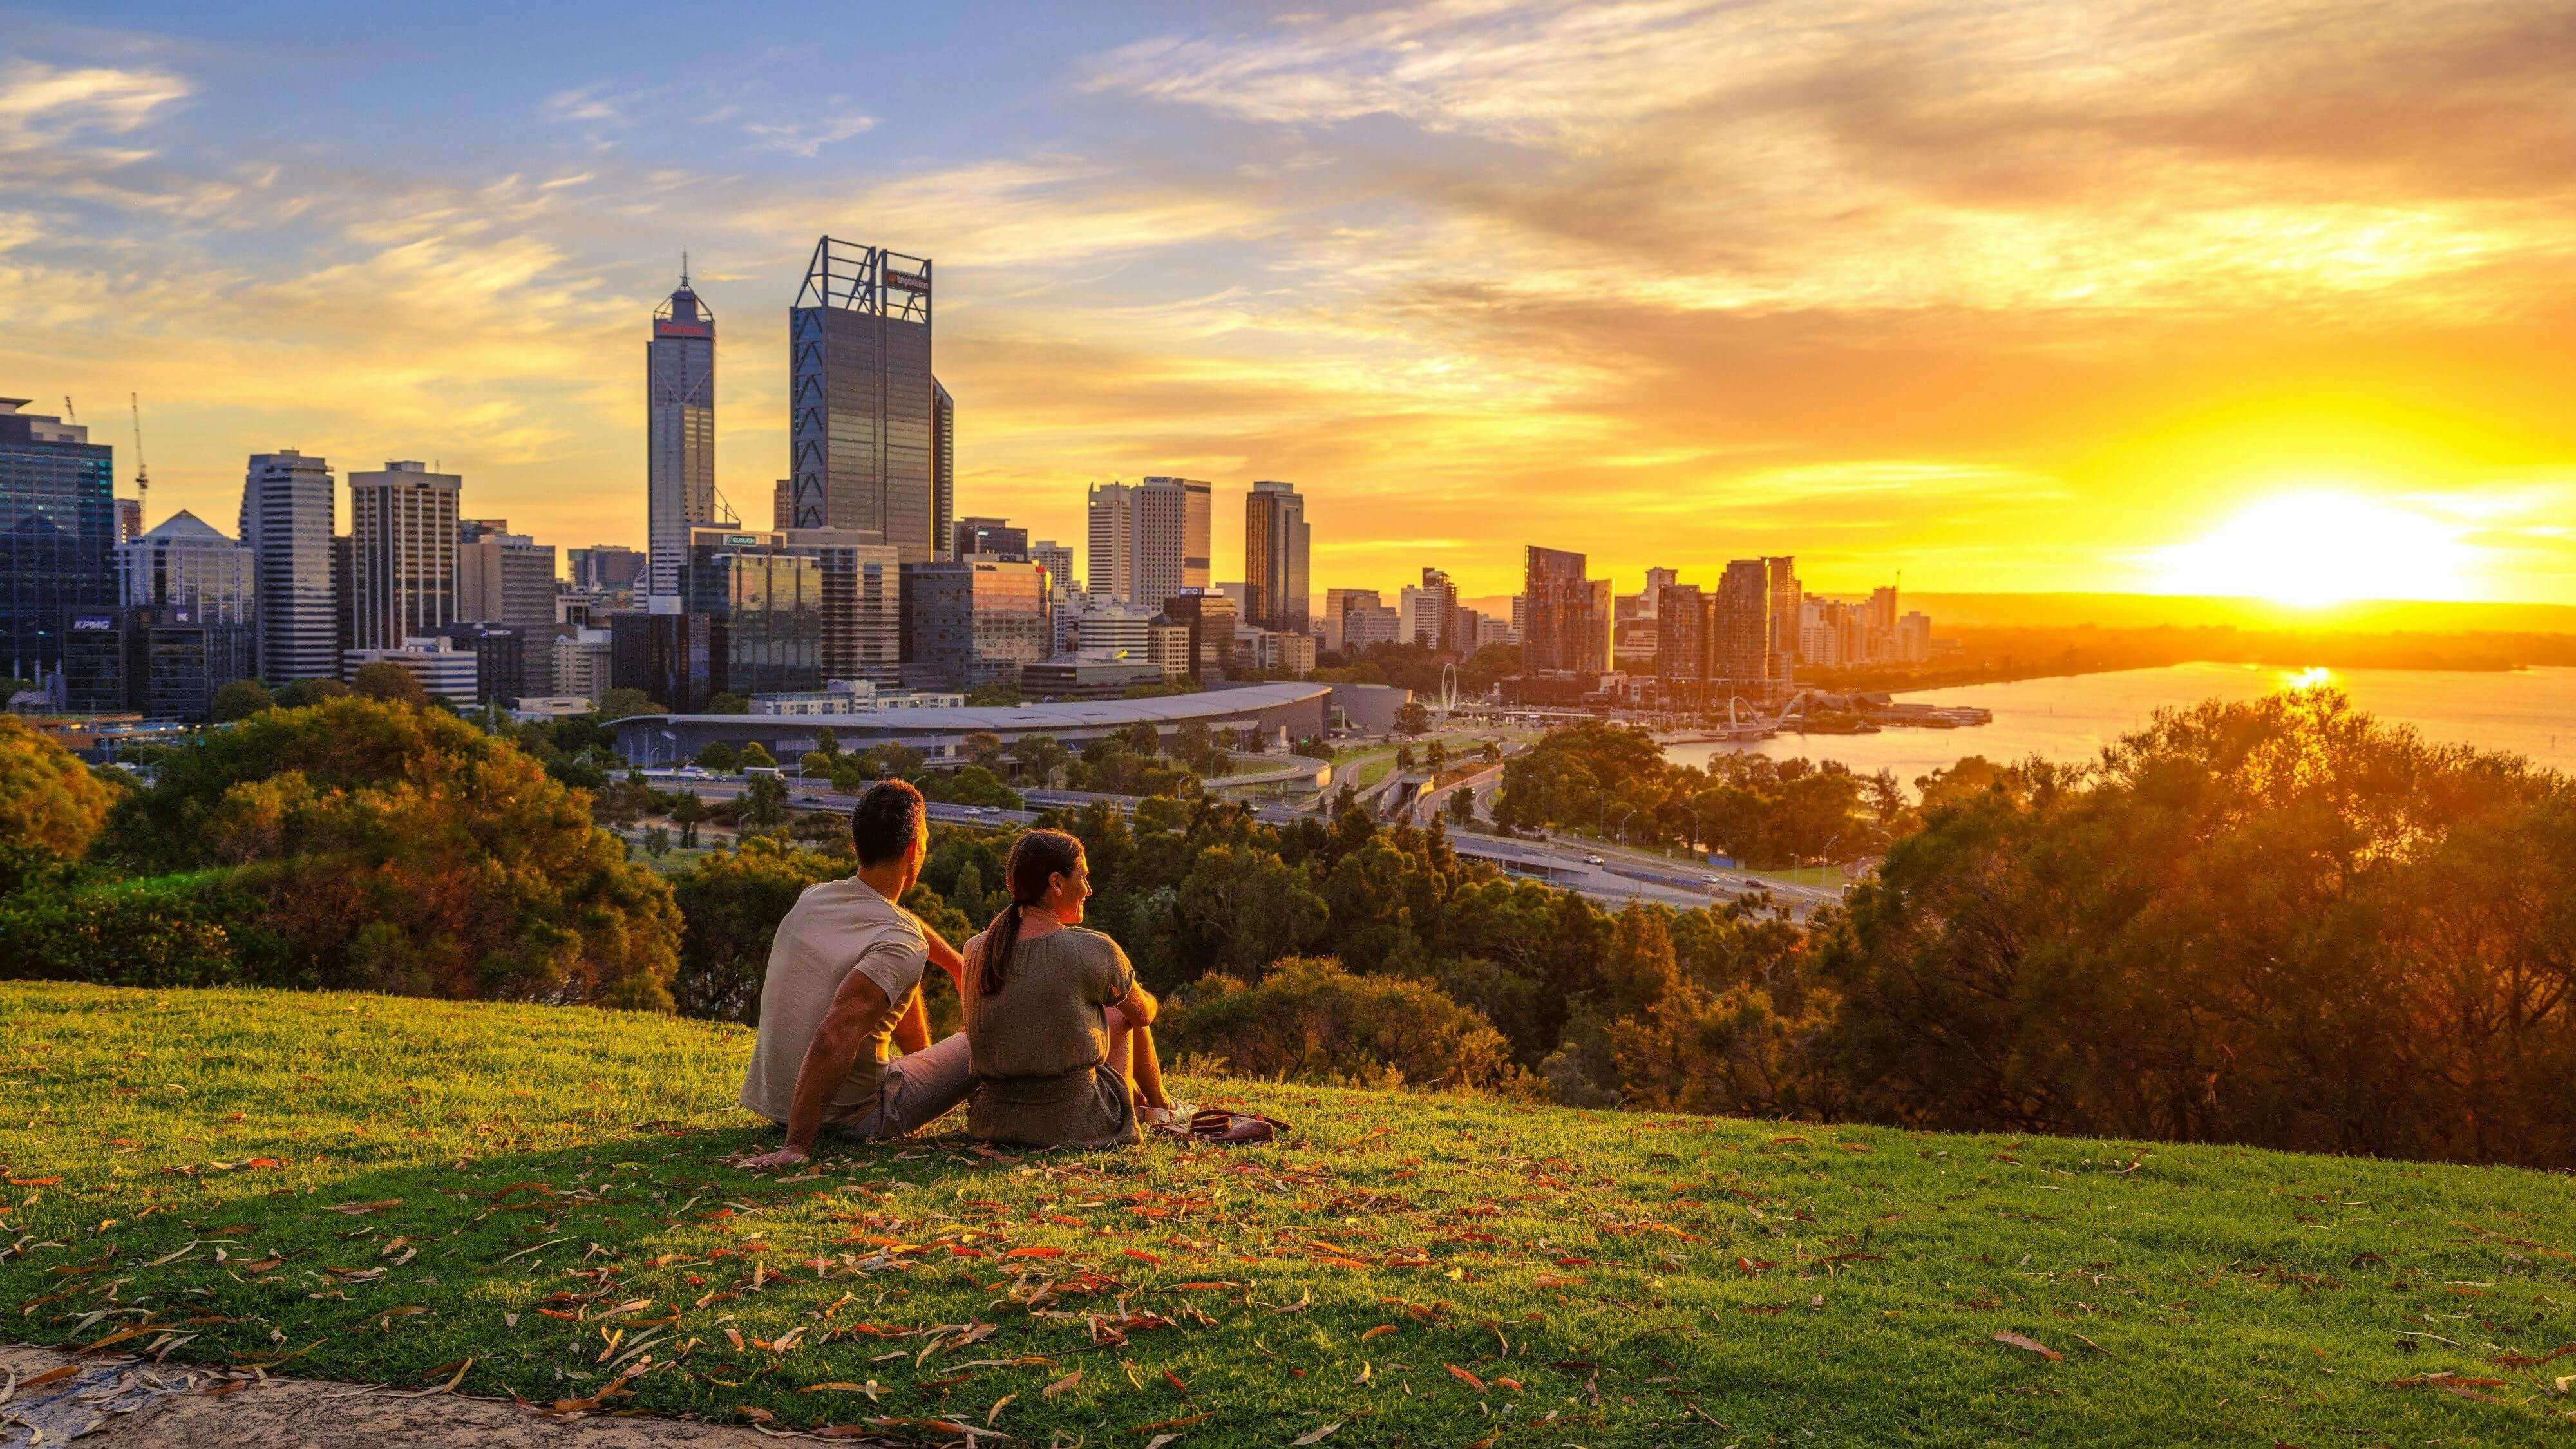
<point>57,534</point>
<point>1275,537</point>
<point>1565,620</point>
<point>871,434</point>
<point>300,570</point>
<point>680,433</point>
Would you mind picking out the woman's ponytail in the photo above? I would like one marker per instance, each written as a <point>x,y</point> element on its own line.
<point>1035,860</point>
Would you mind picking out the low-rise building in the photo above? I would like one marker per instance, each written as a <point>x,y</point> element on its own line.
<point>444,671</point>
<point>1089,674</point>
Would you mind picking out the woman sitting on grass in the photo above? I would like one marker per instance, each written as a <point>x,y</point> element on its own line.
<point>1057,1027</point>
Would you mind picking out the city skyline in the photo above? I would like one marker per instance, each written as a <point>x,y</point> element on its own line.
<point>1723,280</point>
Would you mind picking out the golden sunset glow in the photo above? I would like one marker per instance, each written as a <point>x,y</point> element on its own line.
<point>2318,548</point>
<point>2053,298</point>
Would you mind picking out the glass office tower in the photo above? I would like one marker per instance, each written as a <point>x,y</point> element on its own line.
<point>680,433</point>
<point>871,434</point>
<point>57,535</point>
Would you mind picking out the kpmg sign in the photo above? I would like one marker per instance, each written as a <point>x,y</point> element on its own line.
<point>94,623</point>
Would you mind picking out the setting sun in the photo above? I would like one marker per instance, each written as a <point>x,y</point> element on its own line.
<point>2318,548</point>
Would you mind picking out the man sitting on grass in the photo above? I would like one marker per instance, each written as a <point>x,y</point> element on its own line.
<point>844,985</point>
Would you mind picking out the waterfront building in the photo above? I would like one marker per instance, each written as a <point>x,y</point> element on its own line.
<point>186,563</point>
<point>1566,619</point>
<point>973,622</point>
<point>872,434</point>
<point>57,535</point>
<point>1681,636</point>
<point>1426,610</point>
<point>402,554</point>
<point>1781,575</point>
<point>1275,542</point>
<point>679,433</point>
<point>665,653</point>
<point>1739,629</point>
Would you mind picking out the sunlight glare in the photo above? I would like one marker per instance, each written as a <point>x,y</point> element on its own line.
<point>2318,548</point>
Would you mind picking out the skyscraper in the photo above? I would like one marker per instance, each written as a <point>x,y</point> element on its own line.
<point>871,433</point>
<point>288,516</point>
<point>186,563</point>
<point>129,519</point>
<point>503,577</point>
<point>1275,539</point>
<point>862,603</point>
<point>57,534</point>
<point>402,554</point>
<point>1566,621</point>
<point>1149,540</point>
<point>1781,574</point>
<point>679,433</point>
<point>1739,628</point>
<point>974,622</point>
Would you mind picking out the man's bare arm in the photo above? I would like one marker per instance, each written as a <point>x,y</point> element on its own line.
<point>912,1030</point>
<point>944,956</point>
<point>827,1063</point>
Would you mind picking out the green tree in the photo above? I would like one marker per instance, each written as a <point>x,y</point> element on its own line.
<point>764,803</point>
<point>827,740</point>
<point>983,747</point>
<point>731,902</point>
<point>626,704</point>
<point>1413,718</point>
<point>686,812</point>
<point>238,699</point>
<point>301,692</point>
<point>1462,805</point>
<point>720,756</point>
<point>1041,756</point>
<point>385,680</point>
<point>1238,910</point>
<point>728,702</point>
<point>755,756</point>
<point>993,696</point>
<point>356,812</point>
<point>657,842</point>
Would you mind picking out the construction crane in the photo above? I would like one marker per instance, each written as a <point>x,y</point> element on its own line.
<point>142,478</point>
<point>70,415</point>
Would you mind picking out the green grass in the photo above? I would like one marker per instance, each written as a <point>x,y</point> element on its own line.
<point>378,1190</point>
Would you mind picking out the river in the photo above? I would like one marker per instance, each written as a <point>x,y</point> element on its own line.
<point>2530,712</point>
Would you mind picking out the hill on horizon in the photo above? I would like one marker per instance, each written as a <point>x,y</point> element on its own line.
<point>536,1201</point>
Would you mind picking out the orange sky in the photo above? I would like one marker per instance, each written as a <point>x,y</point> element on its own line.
<point>2008,296</point>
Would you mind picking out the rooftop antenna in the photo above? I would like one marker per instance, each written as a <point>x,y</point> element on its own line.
<point>684,269</point>
<point>142,478</point>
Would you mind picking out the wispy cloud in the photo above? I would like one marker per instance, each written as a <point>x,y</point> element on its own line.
<point>807,137</point>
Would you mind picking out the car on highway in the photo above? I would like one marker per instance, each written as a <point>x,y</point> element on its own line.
<point>1594,860</point>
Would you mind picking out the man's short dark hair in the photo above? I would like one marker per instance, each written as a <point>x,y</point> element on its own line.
<point>885,821</point>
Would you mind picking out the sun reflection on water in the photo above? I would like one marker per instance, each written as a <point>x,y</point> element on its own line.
<point>2315,676</point>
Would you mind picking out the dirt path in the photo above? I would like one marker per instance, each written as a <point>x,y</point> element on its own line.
<point>129,1403</point>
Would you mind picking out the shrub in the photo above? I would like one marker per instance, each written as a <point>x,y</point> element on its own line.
<point>50,804</point>
<point>1307,1019</point>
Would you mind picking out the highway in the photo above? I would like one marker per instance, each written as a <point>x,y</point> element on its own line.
<point>1621,878</point>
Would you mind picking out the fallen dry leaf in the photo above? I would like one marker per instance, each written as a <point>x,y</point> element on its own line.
<point>1317,1437</point>
<point>2031,1345</point>
<point>1464,1377</point>
<point>1060,1385</point>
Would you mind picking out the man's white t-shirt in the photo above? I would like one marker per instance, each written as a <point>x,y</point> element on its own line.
<point>834,928</point>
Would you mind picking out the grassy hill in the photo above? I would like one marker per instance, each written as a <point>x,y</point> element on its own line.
<point>381,1190</point>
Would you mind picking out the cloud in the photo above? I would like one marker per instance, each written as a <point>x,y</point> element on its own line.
<point>806,138</point>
